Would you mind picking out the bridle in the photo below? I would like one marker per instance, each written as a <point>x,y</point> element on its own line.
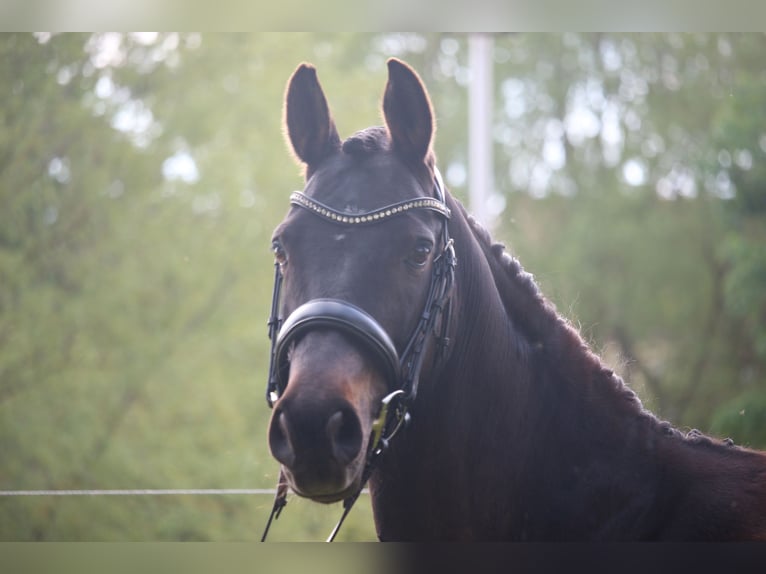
<point>402,371</point>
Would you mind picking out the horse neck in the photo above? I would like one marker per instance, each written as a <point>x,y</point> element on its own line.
<point>510,328</point>
<point>584,458</point>
<point>525,434</point>
<point>520,382</point>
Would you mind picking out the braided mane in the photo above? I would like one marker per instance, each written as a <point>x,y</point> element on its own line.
<point>538,319</point>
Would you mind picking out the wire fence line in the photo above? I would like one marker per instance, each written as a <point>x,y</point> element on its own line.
<point>148,492</point>
<point>141,492</point>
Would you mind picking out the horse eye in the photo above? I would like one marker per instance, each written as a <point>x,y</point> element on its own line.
<point>280,256</point>
<point>419,255</point>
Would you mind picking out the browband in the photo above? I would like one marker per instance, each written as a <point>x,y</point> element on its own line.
<point>302,200</point>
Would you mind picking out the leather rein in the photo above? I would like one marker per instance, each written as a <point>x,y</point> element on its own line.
<point>402,371</point>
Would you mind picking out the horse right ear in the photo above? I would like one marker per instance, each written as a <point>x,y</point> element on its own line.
<point>307,118</point>
<point>407,111</point>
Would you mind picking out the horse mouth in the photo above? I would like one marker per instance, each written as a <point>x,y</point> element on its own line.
<point>331,498</point>
<point>323,495</point>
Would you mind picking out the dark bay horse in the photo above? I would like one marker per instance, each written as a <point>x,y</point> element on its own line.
<point>410,349</point>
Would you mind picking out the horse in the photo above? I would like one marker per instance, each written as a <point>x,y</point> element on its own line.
<point>412,352</point>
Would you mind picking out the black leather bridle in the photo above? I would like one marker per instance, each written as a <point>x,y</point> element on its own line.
<point>402,371</point>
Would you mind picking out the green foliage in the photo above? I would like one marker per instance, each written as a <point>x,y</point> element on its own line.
<point>744,295</point>
<point>133,293</point>
<point>650,234</point>
<point>743,419</point>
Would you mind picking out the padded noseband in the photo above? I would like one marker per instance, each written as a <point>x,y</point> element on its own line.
<point>339,316</point>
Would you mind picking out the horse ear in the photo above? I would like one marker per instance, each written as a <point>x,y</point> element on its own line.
<point>407,111</point>
<point>307,118</point>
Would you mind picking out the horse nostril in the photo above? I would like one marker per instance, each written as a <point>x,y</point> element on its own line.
<point>345,434</point>
<point>279,440</point>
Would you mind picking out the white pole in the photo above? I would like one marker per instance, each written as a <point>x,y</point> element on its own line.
<point>480,106</point>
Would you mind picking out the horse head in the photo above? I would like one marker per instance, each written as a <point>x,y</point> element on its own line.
<point>363,273</point>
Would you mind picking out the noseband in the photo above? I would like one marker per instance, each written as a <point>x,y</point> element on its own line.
<point>401,371</point>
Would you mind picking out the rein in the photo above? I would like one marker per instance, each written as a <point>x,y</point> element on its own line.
<point>402,371</point>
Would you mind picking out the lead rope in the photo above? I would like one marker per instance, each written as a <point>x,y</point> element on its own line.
<point>347,505</point>
<point>280,501</point>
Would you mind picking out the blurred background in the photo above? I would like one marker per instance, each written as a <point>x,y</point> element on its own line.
<point>141,176</point>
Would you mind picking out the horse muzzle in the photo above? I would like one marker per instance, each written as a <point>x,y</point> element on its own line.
<point>333,362</point>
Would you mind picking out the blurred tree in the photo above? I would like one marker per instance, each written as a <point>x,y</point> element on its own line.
<point>141,176</point>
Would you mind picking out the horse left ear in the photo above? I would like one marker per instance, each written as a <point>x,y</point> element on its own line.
<point>307,118</point>
<point>407,111</point>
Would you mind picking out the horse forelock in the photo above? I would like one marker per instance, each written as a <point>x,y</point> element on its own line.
<point>367,141</point>
<point>376,139</point>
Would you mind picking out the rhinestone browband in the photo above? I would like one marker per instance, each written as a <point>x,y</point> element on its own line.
<point>302,200</point>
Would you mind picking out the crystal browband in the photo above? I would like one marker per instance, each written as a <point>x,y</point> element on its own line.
<point>302,200</point>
